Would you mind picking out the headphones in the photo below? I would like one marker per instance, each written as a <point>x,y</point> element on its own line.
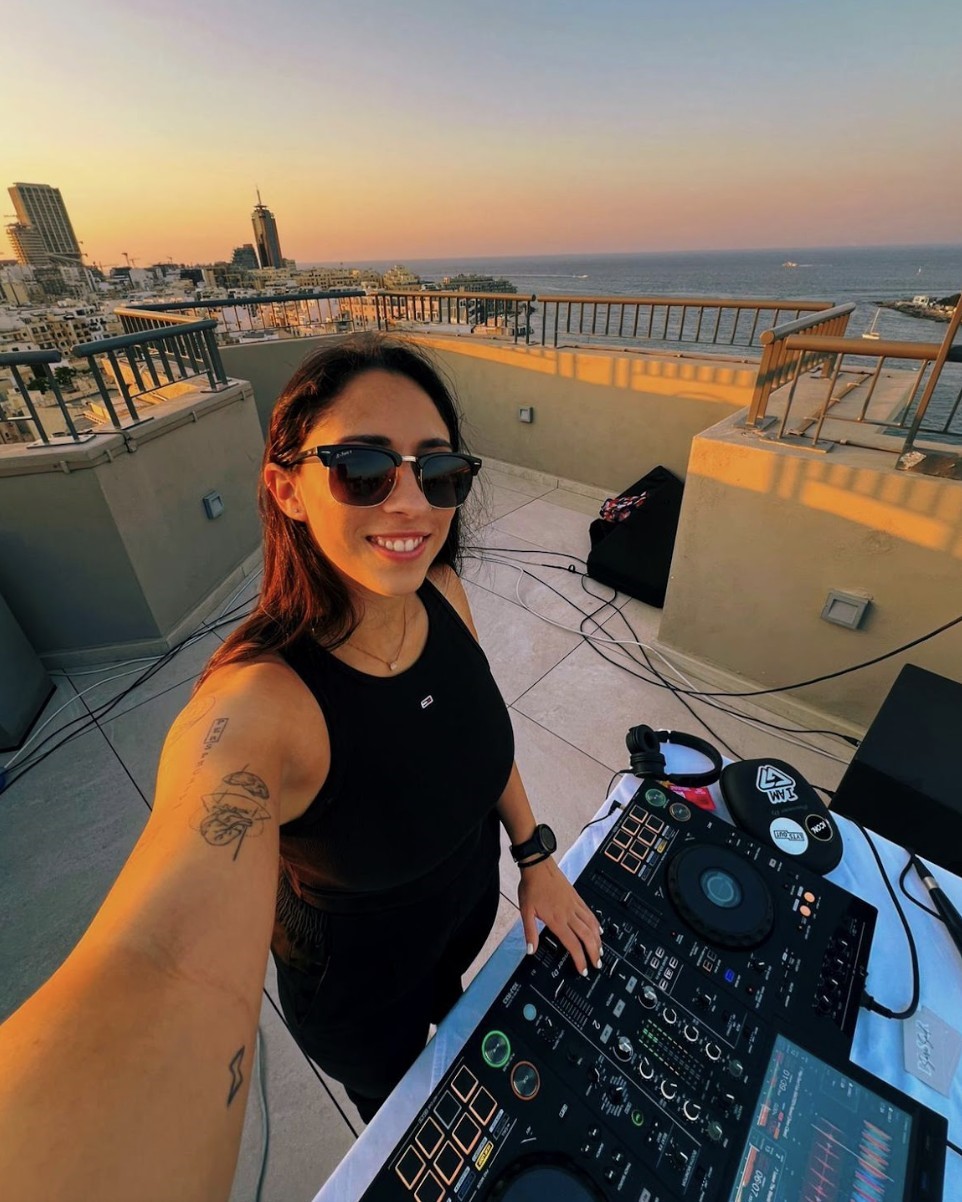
<point>644,750</point>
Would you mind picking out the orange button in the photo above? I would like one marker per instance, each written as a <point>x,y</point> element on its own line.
<point>805,911</point>
<point>809,897</point>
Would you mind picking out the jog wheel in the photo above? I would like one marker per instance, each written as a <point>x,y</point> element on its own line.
<point>721,896</point>
<point>537,1179</point>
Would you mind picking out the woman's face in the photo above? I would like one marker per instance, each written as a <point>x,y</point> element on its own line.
<point>384,550</point>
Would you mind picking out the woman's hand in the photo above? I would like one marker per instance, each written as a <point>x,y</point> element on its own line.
<point>546,893</point>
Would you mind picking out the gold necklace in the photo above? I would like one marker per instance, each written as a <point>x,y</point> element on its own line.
<point>391,664</point>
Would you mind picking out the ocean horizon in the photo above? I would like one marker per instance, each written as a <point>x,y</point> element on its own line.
<point>865,276</point>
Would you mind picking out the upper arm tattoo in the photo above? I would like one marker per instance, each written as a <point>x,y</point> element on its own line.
<point>234,811</point>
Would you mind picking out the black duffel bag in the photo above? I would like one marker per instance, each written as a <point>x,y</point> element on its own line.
<point>634,555</point>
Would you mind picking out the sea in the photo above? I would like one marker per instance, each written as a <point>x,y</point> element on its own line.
<point>863,275</point>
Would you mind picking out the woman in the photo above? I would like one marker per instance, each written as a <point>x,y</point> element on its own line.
<point>350,727</point>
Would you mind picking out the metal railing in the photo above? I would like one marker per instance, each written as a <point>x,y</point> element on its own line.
<point>790,352</point>
<point>681,320</point>
<point>782,363</point>
<point>173,350</point>
<point>506,312</point>
<point>39,363</point>
<point>242,318</point>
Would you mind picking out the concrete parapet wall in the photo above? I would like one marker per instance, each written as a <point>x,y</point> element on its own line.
<point>600,417</point>
<point>267,366</point>
<point>106,547</point>
<point>767,530</point>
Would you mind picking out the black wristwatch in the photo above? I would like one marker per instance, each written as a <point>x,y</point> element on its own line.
<point>541,844</point>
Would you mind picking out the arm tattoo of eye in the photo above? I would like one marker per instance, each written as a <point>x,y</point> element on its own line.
<point>236,1076</point>
<point>233,812</point>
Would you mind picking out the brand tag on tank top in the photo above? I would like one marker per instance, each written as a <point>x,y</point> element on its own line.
<point>426,701</point>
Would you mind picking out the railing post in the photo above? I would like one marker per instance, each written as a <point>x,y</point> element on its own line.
<point>954,322</point>
<point>763,383</point>
<point>28,401</point>
<point>102,388</point>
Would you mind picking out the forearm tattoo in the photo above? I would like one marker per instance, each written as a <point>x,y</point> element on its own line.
<point>234,811</point>
<point>236,1076</point>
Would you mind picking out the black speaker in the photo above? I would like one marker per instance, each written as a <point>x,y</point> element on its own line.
<point>905,780</point>
<point>634,556</point>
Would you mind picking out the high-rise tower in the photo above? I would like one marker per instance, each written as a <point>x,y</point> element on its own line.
<point>40,208</point>
<point>265,235</point>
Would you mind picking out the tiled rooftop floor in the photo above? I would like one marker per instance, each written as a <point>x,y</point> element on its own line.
<point>68,825</point>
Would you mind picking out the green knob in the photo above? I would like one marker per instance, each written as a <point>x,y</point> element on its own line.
<point>496,1049</point>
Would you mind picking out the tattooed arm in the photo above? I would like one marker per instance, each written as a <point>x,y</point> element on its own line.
<point>126,1075</point>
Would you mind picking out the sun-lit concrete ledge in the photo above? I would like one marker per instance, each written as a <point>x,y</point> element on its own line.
<point>108,549</point>
<point>768,529</point>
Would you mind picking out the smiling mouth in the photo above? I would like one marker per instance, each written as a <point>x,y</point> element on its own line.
<point>398,544</point>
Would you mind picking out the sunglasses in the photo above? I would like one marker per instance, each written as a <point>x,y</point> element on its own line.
<point>365,476</point>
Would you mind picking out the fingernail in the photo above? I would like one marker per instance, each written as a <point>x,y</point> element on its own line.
<point>530,949</point>
<point>598,965</point>
<point>584,972</point>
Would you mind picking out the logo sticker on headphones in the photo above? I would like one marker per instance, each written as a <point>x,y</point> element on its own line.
<point>819,827</point>
<point>779,786</point>
<point>788,836</point>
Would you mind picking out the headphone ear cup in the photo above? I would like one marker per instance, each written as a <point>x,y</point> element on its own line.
<point>644,750</point>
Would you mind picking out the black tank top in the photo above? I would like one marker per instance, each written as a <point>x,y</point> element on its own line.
<point>418,762</point>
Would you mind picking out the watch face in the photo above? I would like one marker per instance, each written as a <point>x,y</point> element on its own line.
<point>548,840</point>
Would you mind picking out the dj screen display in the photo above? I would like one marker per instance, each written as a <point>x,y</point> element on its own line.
<point>819,1136</point>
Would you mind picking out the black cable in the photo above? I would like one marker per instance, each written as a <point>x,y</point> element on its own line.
<point>867,1000</point>
<point>801,684</point>
<point>92,717</point>
<point>914,900</point>
<point>91,720</point>
<point>953,1147</point>
<point>868,663</point>
<point>615,805</point>
<point>262,1087</point>
<point>703,697</point>
<point>661,681</point>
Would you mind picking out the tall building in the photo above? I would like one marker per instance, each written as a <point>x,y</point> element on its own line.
<point>27,245</point>
<point>265,235</point>
<point>40,207</point>
<point>245,256</point>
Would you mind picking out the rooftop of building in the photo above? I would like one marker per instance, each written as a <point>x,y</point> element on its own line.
<point>119,580</point>
<point>67,826</point>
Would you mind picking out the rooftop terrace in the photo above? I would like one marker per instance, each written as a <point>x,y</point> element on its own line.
<point>107,555</point>
<point>68,824</point>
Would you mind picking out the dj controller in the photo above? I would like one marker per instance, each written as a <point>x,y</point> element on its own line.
<point>691,1067</point>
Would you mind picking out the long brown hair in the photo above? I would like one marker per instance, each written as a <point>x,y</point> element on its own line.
<point>301,591</point>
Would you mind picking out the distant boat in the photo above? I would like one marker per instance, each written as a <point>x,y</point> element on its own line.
<point>789,263</point>
<point>871,332</point>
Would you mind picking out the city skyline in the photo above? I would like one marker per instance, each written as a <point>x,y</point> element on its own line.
<point>539,130</point>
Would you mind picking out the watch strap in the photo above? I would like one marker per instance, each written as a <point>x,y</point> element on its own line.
<point>539,859</point>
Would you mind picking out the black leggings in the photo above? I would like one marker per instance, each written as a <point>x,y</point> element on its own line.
<point>360,990</point>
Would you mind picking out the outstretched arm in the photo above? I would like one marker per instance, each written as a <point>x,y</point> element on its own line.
<point>126,1075</point>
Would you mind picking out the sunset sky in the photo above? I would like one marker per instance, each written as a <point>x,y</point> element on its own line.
<point>405,129</point>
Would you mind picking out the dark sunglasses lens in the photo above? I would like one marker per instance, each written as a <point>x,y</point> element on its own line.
<point>362,477</point>
<point>446,480</point>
